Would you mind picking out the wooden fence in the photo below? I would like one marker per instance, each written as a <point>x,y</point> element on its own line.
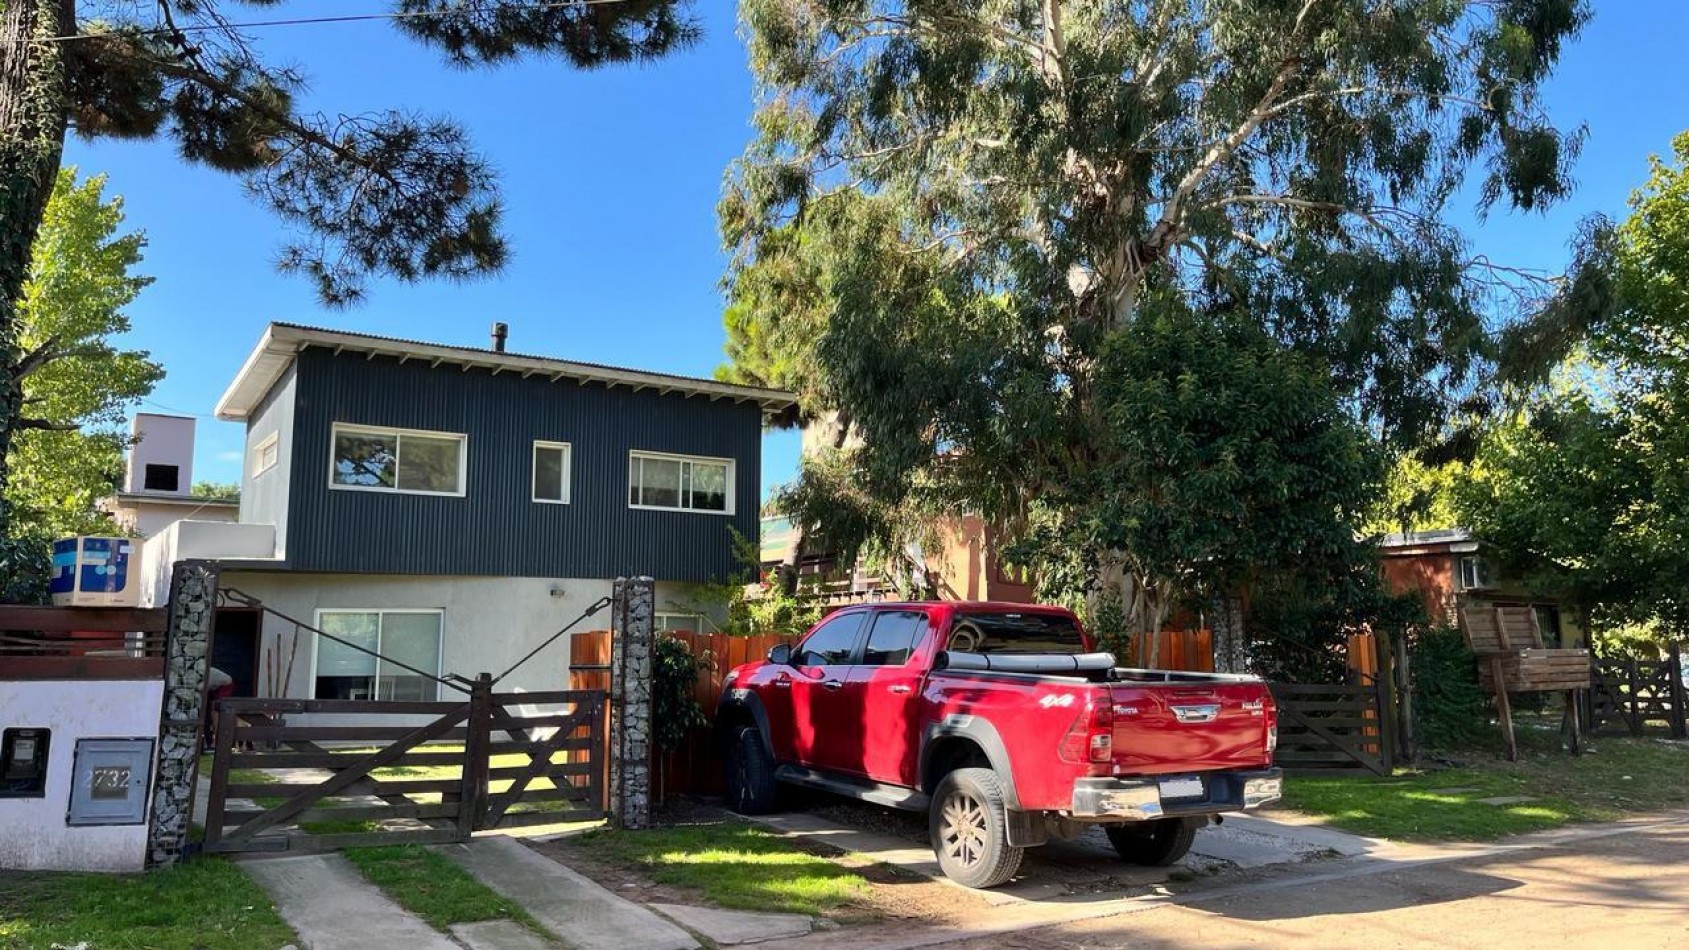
<point>695,767</point>
<point>1635,695</point>
<point>85,643</point>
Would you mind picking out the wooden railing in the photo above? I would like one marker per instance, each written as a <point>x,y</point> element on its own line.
<point>81,642</point>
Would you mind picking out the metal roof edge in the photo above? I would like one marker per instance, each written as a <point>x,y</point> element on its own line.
<point>282,342</point>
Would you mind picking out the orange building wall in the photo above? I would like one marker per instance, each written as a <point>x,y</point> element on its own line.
<point>1430,575</point>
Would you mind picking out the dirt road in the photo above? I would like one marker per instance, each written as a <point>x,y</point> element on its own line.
<point>1628,889</point>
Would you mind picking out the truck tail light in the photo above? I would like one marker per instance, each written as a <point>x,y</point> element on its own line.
<point>1090,740</point>
<point>1272,729</point>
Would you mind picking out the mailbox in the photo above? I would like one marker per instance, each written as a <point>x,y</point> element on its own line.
<point>110,781</point>
<point>23,762</point>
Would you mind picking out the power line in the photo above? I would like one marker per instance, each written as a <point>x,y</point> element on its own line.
<point>322,20</point>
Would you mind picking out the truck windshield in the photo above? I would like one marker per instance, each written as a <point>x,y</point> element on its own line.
<point>1005,633</point>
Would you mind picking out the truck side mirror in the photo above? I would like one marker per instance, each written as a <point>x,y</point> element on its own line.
<point>780,654</point>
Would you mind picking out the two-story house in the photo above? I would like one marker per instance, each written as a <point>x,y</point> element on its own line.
<point>1448,570</point>
<point>452,507</point>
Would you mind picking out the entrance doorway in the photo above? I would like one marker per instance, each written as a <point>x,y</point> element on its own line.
<point>234,646</point>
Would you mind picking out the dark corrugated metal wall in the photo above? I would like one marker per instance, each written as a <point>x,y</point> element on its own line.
<point>497,529</point>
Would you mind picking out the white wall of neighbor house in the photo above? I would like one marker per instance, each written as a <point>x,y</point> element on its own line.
<point>34,832</point>
<point>187,540</point>
<point>487,623</point>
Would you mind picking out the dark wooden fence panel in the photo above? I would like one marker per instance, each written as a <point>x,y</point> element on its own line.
<point>1331,727</point>
<point>1638,696</point>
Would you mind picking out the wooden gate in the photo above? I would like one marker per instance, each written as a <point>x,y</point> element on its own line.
<point>1332,727</point>
<point>367,772</point>
<point>1630,694</point>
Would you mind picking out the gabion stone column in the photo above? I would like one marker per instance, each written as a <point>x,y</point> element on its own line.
<point>1231,653</point>
<point>631,658</point>
<point>193,605</point>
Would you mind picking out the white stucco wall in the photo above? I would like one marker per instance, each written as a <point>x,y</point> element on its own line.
<point>161,440</point>
<point>33,833</point>
<point>489,622</point>
<point>186,540</point>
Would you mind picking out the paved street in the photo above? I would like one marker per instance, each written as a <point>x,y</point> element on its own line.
<point>1628,889</point>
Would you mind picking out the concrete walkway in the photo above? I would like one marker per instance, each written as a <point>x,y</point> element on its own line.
<point>579,911</point>
<point>332,907</point>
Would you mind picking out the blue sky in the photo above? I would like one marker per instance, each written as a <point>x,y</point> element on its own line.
<point>611,179</point>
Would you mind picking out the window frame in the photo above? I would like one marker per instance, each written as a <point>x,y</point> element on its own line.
<point>731,488</point>
<point>874,620</point>
<point>864,619</point>
<point>354,428</point>
<point>1483,574</point>
<point>439,641</point>
<point>658,616</point>
<point>568,474</point>
<point>270,443</point>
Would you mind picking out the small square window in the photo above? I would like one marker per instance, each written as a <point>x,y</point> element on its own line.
<point>551,472</point>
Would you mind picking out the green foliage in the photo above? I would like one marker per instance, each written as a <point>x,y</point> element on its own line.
<point>218,491</point>
<point>1418,496</point>
<point>77,386</point>
<point>1138,281</point>
<point>754,602</point>
<point>675,713</point>
<point>1584,489</point>
<point>1450,710</point>
<point>204,904</point>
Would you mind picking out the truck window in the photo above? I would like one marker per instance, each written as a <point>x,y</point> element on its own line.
<point>1015,633</point>
<point>893,636</point>
<point>832,643</point>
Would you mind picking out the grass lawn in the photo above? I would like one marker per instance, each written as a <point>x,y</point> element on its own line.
<point>732,865</point>
<point>433,887</point>
<point>204,904</point>
<point>1614,778</point>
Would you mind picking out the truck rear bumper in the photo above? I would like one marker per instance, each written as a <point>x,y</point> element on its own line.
<point>1172,796</point>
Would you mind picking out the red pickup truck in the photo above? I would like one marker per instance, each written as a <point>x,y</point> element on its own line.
<point>1003,724</point>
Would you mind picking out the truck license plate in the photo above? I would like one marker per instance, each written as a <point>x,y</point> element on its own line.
<point>1183,786</point>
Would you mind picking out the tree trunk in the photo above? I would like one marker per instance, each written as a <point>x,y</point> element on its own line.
<point>32,131</point>
<point>1144,602</point>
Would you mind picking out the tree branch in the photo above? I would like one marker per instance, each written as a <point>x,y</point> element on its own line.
<point>36,358</point>
<point>44,425</point>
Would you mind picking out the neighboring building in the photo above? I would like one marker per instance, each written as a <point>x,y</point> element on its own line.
<point>1448,570</point>
<point>964,566</point>
<point>452,507</point>
<point>158,480</point>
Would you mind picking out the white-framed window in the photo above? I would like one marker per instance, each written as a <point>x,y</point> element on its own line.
<point>551,472</point>
<point>680,482</point>
<point>1476,574</point>
<point>679,623</point>
<point>410,637</point>
<point>414,461</point>
<point>266,453</point>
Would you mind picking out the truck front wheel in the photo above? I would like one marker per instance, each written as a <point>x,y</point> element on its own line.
<point>1154,844</point>
<point>969,828</point>
<point>750,773</point>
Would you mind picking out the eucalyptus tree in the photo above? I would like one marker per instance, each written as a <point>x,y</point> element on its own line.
<point>387,193</point>
<point>957,210</point>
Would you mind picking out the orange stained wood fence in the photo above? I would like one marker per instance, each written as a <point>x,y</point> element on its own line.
<point>695,766</point>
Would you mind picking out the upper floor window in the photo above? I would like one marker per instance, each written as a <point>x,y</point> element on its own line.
<point>680,482</point>
<point>403,460</point>
<point>266,453</point>
<point>551,472</point>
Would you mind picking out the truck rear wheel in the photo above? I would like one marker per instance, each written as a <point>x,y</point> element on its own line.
<point>1154,844</point>
<point>750,773</point>
<point>969,828</point>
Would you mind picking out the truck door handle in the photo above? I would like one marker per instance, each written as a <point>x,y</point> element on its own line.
<point>900,688</point>
<point>833,684</point>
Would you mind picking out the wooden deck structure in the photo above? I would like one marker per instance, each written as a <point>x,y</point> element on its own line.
<point>1512,659</point>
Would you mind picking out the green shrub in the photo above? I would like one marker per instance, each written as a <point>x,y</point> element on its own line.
<point>1450,709</point>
